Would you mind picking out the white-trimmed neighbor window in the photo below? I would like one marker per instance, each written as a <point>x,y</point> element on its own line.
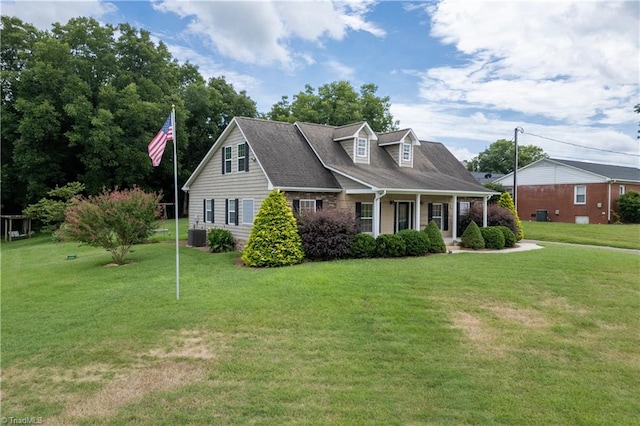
<point>366,217</point>
<point>247,211</point>
<point>228,158</point>
<point>464,208</point>
<point>406,152</point>
<point>241,156</point>
<point>622,190</point>
<point>361,148</point>
<point>208,211</point>
<point>580,194</point>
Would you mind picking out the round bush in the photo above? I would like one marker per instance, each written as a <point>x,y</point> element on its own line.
<point>327,234</point>
<point>493,238</point>
<point>364,246</point>
<point>472,237</point>
<point>509,236</point>
<point>390,245</point>
<point>417,243</point>
<point>436,242</point>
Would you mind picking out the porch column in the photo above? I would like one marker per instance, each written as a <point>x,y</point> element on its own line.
<point>417,221</point>
<point>376,217</point>
<point>454,232</point>
<point>484,211</point>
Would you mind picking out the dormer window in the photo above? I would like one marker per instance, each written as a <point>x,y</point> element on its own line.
<point>406,152</point>
<point>361,148</point>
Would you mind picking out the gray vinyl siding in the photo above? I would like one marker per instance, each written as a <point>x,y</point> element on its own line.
<point>394,152</point>
<point>212,184</point>
<point>348,146</point>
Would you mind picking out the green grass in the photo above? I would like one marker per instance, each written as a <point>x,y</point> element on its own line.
<point>622,236</point>
<point>542,337</point>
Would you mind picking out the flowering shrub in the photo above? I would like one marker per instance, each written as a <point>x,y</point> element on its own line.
<point>113,220</point>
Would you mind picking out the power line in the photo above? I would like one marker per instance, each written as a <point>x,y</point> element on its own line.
<point>582,146</point>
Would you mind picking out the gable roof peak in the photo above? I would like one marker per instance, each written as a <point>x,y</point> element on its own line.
<point>351,131</point>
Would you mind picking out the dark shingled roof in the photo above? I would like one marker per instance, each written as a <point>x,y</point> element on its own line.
<point>388,137</point>
<point>285,157</point>
<point>346,131</point>
<point>606,170</point>
<point>434,167</point>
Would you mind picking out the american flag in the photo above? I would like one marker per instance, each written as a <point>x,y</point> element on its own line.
<point>157,145</point>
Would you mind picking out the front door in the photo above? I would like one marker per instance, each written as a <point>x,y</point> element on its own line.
<point>403,215</point>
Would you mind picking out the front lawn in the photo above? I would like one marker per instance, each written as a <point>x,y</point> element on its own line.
<point>618,235</point>
<point>542,337</point>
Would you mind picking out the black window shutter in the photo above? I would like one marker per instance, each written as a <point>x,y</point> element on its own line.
<point>237,212</point>
<point>358,210</point>
<point>445,217</point>
<point>246,157</point>
<point>204,211</point>
<point>226,211</point>
<point>318,204</point>
<point>222,150</point>
<point>429,212</point>
<point>296,206</point>
<point>213,211</point>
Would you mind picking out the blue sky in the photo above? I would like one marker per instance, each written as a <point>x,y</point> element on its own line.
<point>464,73</point>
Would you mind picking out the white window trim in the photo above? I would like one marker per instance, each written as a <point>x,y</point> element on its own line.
<point>367,217</point>
<point>208,209</point>
<point>231,202</point>
<point>239,157</point>
<point>433,216</point>
<point>622,190</point>
<point>312,202</point>
<point>408,160</point>
<point>575,195</point>
<point>253,211</point>
<point>366,147</point>
<point>228,160</point>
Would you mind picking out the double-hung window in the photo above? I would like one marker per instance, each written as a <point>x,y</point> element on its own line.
<point>241,157</point>
<point>406,152</point>
<point>307,206</point>
<point>622,190</point>
<point>361,148</point>
<point>366,217</point>
<point>580,194</point>
<point>228,158</point>
<point>208,211</point>
<point>232,211</point>
<point>436,214</point>
<point>247,211</point>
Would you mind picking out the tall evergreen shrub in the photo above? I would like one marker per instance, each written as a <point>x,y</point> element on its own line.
<point>416,242</point>
<point>274,238</point>
<point>493,238</point>
<point>472,238</point>
<point>436,242</point>
<point>507,202</point>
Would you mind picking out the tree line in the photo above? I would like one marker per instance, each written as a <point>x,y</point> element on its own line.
<point>81,102</point>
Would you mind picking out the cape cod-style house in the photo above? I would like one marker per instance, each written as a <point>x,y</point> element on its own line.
<point>390,181</point>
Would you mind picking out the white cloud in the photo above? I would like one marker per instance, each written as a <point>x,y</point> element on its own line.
<point>263,32</point>
<point>44,13</point>
<point>340,71</point>
<point>569,61</point>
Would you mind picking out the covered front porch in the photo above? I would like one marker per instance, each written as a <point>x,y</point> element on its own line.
<point>388,211</point>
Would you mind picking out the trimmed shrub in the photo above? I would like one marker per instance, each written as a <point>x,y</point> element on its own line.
<point>493,238</point>
<point>472,237</point>
<point>436,242</point>
<point>629,207</point>
<point>496,216</point>
<point>327,234</point>
<point>221,240</point>
<point>509,236</point>
<point>364,246</point>
<point>390,245</point>
<point>274,238</point>
<point>416,242</point>
<point>507,202</point>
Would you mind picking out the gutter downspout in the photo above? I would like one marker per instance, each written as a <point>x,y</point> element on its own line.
<point>376,212</point>
<point>609,202</point>
<point>484,210</point>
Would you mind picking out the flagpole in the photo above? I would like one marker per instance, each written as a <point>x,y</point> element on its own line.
<point>175,186</point>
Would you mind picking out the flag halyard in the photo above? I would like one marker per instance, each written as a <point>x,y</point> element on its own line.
<point>159,142</point>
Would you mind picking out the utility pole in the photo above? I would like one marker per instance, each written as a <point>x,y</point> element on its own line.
<point>515,167</point>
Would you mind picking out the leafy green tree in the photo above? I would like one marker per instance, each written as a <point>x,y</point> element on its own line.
<point>113,220</point>
<point>336,104</point>
<point>498,157</point>
<point>51,209</point>
<point>274,238</point>
<point>506,202</point>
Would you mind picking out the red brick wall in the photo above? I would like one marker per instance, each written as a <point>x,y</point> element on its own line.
<point>560,197</point>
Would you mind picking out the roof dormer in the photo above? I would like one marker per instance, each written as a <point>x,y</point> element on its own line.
<point>356,140</point>
<point>400,145</point>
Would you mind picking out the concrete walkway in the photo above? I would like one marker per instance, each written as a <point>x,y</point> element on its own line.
<point>526,245</point>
